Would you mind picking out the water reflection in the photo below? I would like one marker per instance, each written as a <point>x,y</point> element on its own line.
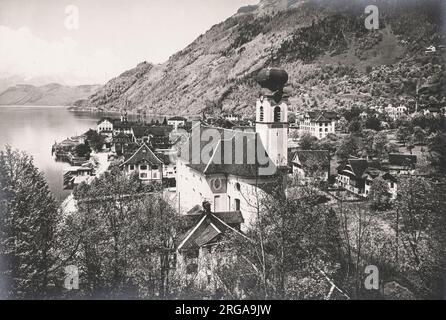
<point>35,129</point>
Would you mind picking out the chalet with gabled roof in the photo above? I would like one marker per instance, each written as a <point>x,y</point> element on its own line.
<point>197,260</point>
<point>357,177</point>
<point>145,163</point>
<point>401,163</point>
<point>350,176</point>
<point>311,164</point>
<point>372,173</point>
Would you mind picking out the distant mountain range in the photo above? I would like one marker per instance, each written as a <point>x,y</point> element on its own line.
<point>52,94</point>
<point>332,59</point>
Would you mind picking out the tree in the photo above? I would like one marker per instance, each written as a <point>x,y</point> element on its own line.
<point>126,233</point>
<point>420,204</point>
<point>355,126</point>
<point>308,142</point>
<point>437,151</point>
<point>352,113</point>
<point>342,124</point>
<point>347,148</point>
<point>380,142</point>
<point>83,150</point>
<point>28,228</point>
<point>402,134</point>
<point>391,148</point>
<point>410,144</point>
<point>96,140</point>
<point>368,137</point>
<point>379,194</point>
<point>329,143</point>
<point>165,121</point>
<point>419,135</point>
<point>286,251</point>
<point>373,123</point>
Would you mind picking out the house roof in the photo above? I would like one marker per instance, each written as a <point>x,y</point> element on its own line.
<point>402,159</point>
<point>310,158</point>
<point>357,167</point>
<point>372,173</point>
<point>322,116</point>
<point>122,124</point>
<point>177,119</point>
<point>165,158</point>
<point>207,228</point>
<point>143,155</point>
<point>122,137</point>
<point>140,131</point>
<point>156,131</point>
<point>105,119</point>
<point>231,152</point>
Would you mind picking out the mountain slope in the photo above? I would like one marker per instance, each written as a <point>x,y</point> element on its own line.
<point>332,59</point>
<point>48,95</point>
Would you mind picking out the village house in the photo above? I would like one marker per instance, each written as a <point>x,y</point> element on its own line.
<point>371,174</point>
<point>169,168</point>
<point>145,163</point>
<point>124,127</point>
<point>311,165</point>
<point>121,142</point>
<point>197,261</point>
<point>401,164</point>
<point>231,117</point>
<point>350,176</point>
<point>105,127</point>
<point>239,164</point>
<point>357,177</point>
<point>436,112</point>
<point>319,124</point>
<point>177,122</point>
<point>395,112</point>
<point>155,136</point>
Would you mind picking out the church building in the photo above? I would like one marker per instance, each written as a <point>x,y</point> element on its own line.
<point>231,169</point>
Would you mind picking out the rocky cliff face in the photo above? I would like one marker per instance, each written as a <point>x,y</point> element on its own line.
<point>332,59</point>
<point>48,95</point>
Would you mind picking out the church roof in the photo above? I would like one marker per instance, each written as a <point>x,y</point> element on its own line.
<point>231,153</point>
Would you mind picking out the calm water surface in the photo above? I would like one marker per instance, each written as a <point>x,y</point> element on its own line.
<point>35,129</point>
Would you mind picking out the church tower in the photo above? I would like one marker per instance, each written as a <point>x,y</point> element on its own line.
<point>272,114</point>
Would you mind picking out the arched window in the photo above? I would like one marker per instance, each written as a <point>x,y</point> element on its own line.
<point>277,114</point>
<point>261,113</point>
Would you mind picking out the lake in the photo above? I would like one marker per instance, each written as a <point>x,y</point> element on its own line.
<point>35,129</point>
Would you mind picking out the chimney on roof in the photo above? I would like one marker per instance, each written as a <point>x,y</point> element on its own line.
<point>206,207</point>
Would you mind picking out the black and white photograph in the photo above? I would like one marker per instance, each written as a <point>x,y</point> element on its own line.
<point>238,151</point>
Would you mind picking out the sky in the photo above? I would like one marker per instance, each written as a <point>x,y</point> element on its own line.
<point>91,41</point>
